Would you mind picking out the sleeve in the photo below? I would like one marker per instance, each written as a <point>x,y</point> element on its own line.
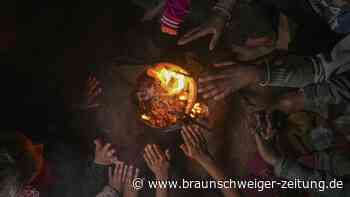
<point>173,15</point>
<point>333,91</point>
<point>342,24</point>
<point>295,72</point>
<point>108,191</point>
<point>94,179</point>
<point>321,82</point>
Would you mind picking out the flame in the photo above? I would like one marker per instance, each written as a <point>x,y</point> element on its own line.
<point>183,96</point>
<point>172,77</point>
<point>173,82</point>
<point>198,110</point>
<point>145,117</point>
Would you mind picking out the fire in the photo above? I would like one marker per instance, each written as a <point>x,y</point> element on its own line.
<point>199,110</point>
<point>172,79</point>
<point>145,117</point>
<point>173,97</point>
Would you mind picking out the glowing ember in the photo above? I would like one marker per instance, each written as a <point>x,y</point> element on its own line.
<point>199,110</point>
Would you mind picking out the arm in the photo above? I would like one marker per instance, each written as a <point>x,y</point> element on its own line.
<point>195,148</point>
<point>225,6</point>
<point>96,171</point>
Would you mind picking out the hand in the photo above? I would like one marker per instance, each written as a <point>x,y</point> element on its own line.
<point>116,177</point>
<point>215,26</point>
<point>92,91</point>
<point>227,81</point>
<point>291,102</point>
<point>104,154</point>
<point>195,146</point>
<point>157,161</point>
<point>132,174</point>
<point>262,133</point>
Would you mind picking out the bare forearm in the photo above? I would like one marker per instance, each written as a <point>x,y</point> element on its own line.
<point>162,192</point>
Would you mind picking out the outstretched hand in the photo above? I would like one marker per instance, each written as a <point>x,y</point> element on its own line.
<point>117,175</point>
<point>214,27</point>
<point>129,190</point>
<point>157,160</point>
<point>104,153</point>
<point>195,144</point>
<point>91,92</point>
<point>231,78</point>
<point>261,128</point>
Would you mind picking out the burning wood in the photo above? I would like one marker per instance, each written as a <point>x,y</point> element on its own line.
<point>167,94</point>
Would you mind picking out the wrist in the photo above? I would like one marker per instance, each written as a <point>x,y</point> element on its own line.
<point>115,189</point>
<point>163,176</point>
<point>205,160</point>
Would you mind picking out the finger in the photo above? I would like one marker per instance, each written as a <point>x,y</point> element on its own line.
<point>130,173</point>
<point>184,149</point>
<point>96,93</point>
<point>194,135</point>
<point>137,173</point>
<point>98,144</point>
<point>222,95</point>
<point>90,78</point>
<point>167,154</point>
<point>214,41</point>
<point>199,133</point>
<point>158,152</point>
<point>149,154</point>
<point>147,160</point>
<point>110,153</point>
<point>213,93</point>
<point>153,153</point>
<point>92,106</point>
<point>223,64</point>
<point>119,173</point>
<point>206,88</point>
<point>110,173</point>
<point>185,137</point>
<point>93,87</point>
<point>192,31</point>
<point>213,77</point>
<point>114,159</point>
<point>125,171</point>
<point>194,36</point>
<point>189,136</point>
<point>106,147</point>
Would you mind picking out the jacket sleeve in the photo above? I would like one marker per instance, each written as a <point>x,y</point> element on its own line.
<point>324,79</point>
<point>94,179</point>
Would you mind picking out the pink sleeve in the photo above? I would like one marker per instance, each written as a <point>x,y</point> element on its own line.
<point>174,13</point>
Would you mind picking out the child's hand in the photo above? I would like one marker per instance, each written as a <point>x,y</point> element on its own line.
<point>157,161</point>
<point>104,154</point>
<point>116,176</point>
<point>132,174</point>
<point>195,146</point>
<point>92,91</point>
